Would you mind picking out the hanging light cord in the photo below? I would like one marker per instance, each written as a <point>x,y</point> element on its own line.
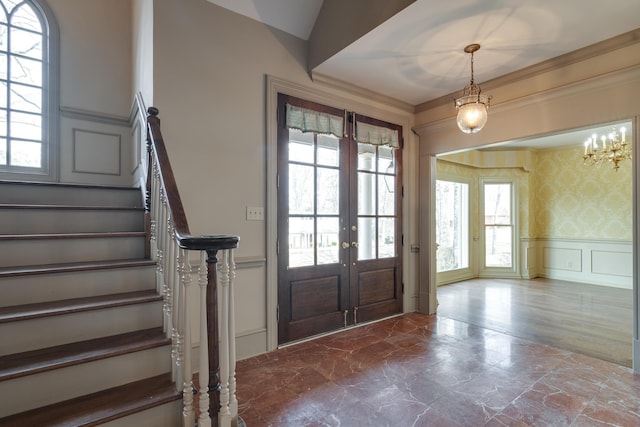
<point>471,67</point>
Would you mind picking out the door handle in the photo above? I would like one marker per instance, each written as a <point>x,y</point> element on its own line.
<point>354,244</point>
<point>345,245</point>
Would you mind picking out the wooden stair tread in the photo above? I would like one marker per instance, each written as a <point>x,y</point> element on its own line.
<point>100,407</point>
<point>69,185</point>
<point>45,359</point>
<point>74,266</point>
<point>75,305</point>
<point>72,235</point>
<point>70,207</point>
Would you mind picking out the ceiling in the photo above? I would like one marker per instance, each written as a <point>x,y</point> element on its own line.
<point>417,55</point>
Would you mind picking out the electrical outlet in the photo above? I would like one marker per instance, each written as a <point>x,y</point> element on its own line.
<point>255,213</point>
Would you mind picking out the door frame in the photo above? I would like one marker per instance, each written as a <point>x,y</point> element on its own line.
<point>367,289</point>
<point>364,102</point>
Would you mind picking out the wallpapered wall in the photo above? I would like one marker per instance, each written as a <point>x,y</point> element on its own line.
<point>559,197</point>
<point>581,202</point>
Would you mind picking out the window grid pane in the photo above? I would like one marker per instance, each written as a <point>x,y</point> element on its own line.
<point>314,199</point>
<point>22,98</point>
<point>498,246</point>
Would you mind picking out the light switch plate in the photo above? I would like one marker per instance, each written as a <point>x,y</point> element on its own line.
<point>255,213</point>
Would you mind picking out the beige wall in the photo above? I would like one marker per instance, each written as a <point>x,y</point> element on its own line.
<point>142,48</point>
<point>95,55</point>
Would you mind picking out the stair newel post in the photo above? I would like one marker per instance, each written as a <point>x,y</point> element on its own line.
<point>203,374</point>
<point>188,415</point>
<point>224,417</point>
<point>212,335</point>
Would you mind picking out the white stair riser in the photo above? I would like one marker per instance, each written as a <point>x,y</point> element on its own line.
<point>15,193</point>
<point>45,388</point>
<point>35,288</point>
<point>50,331</point>
<point>41,221</point>
<point>167,415</point>
<point>52,251</point>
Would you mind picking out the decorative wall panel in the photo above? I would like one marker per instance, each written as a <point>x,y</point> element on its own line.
<point>96,152</point>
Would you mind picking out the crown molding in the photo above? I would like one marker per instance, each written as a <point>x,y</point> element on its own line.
<point>361,92</point>
<point>579,55</point>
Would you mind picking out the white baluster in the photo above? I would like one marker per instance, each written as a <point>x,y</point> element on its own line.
<point>203,376</point>
<point>153,211</point>
<point>233,401</point>
<point>173,277</point>
<point>224,417</point>
<point>162,237</point>
<point>188,414</point>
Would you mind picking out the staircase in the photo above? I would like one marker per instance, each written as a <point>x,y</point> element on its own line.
<point>81,339</point>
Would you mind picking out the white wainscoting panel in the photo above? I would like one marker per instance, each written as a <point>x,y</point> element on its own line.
<point>598,262</point>
<point>562,259</point>
<point>95,149</point>
<point>96,152</point>
<point>612,263</point>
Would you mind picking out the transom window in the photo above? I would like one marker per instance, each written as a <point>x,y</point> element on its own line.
<point>23,72</point>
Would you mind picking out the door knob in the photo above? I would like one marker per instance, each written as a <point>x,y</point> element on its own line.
<point>345,245</point>
<point>354,244</point>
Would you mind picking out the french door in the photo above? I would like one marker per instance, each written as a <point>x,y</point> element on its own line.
<point>339,219</point>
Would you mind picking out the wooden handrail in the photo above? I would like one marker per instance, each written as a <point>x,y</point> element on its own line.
<point>174,202</point>
<point>211,244</point>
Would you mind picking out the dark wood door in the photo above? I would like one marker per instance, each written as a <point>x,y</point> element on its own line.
<point>375,211</point>
<point>338,228</point>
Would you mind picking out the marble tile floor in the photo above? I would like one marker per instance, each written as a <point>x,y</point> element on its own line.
<point>421,370</point>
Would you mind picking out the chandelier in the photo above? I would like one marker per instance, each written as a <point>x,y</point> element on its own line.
<point>613,148</point>
<point>472,105</point>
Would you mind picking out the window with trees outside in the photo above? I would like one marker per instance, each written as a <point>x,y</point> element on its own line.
<point>498,224</point>
<point>452,225</point>
<point>24,90</point>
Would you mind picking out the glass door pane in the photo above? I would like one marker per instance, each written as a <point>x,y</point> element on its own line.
<point>314,199</point>
<point>377,201</point>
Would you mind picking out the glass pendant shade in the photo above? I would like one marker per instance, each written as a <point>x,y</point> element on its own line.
<point>472,105</point>
<point>472,115</point>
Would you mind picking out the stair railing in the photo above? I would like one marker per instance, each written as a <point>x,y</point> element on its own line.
<point>169,244</point>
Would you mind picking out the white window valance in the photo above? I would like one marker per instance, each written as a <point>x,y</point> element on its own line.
<point>314,121</point>
<point>377,135</point>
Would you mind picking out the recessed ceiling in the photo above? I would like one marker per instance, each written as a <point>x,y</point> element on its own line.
<point>417,55</point>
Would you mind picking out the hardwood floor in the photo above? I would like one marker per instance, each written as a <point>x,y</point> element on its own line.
<point>592,320</point>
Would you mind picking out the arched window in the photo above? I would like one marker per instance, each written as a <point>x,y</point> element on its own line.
<point>26,88</point>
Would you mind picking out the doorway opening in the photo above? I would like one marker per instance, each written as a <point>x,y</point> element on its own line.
<point>573,225</point>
